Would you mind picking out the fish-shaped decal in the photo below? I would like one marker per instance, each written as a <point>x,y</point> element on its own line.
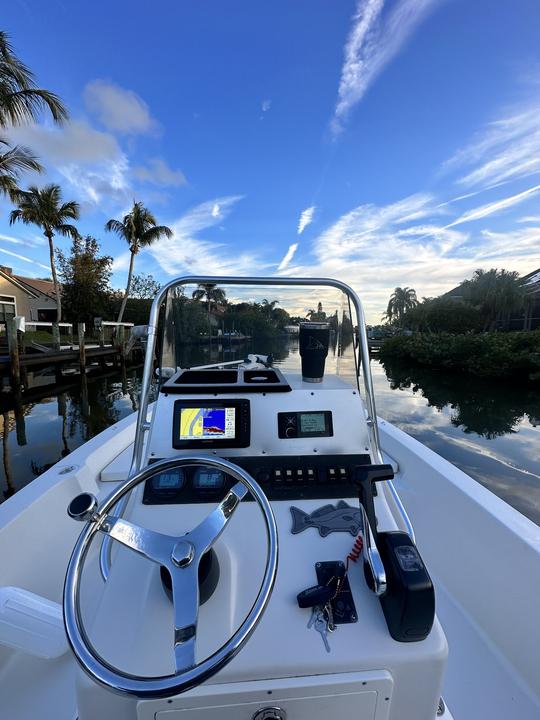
<point>327,519</point>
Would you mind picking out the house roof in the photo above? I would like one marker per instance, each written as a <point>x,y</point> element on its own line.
<point>532,279</point>
<point>31,286</point>
<point>45,287</point>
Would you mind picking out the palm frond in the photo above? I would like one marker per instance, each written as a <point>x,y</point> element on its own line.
<point>115,226</point>
<point>23,106</point>
<point>20,100</point>
<point>68,231</point>
<point>18,159</point>
<point>13,163</point>
<point>16,215</point>
<point>70,209</point>
<point>153,234</point>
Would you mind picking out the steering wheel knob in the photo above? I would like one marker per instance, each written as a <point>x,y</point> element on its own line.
<point>83,507</point>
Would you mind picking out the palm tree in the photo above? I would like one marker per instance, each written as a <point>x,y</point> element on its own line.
<point>13,162</point>
<point>401,300</point>
<point>212,294</point>
<point>495,293</point>
<point>268,307</point>
<point>20,100</point>
<point>139,229</point>
<point>45,208</point>
<point>319,315</point>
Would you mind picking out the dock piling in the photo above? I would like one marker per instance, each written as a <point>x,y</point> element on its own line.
<point>55,336</point>
<point>13,349</point>
<point>82,349</point>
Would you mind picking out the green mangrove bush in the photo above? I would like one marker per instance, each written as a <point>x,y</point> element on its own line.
<point>490,355</point>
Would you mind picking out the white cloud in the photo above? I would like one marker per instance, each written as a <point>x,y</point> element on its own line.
<point>93,163</point>
<point>188,251</point>
<point>157,172</point>
<point>266,105</point>
<point>76,141</point>
<point>507,149</point>
<point>376,248</point>
<point>529,219</point>
<point>497,246</point>
<point>355,230</point>
<point>121,262</point>
<point>24,258</point>
<point>288,257</point>
<point>118,109</point>
<point>494,207</point>
<point>372,43</point>
<point>10,239</point>
<point>306,218</point>
<point>90,160</point>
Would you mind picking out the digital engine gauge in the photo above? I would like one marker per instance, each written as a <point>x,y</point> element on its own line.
<point>208,479</point>
<point>168,483</point>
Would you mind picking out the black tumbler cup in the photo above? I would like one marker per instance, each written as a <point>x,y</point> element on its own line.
<point>314,338</point>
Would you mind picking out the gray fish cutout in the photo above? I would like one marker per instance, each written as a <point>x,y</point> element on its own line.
<point>327,519</point>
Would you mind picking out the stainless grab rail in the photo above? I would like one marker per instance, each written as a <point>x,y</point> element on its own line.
<point>142,418</point>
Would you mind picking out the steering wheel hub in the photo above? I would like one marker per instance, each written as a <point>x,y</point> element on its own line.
<point>183,553</point>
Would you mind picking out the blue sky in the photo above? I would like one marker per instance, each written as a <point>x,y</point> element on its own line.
<point>383,142</point>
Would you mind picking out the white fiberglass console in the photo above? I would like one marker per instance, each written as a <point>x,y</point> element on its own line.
<point>198,618</point>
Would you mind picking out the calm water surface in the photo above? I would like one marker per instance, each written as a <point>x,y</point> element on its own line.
<point>490,430</point>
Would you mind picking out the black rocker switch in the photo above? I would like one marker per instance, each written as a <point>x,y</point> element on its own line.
<point>364,476</point>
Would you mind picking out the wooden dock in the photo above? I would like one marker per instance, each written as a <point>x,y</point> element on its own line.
<point>61,357</point>
<point>16,361</point>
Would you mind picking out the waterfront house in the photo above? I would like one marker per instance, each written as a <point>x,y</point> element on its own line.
<point>527,319</point>
<point>28,297</point>
<point>531,316</point>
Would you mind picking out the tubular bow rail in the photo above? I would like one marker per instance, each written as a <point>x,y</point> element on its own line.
<point>143,424</point>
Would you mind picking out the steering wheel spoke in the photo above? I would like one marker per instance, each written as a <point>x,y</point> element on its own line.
<point>185,592</point>
<point>209,530</point>
<point>152,545</point>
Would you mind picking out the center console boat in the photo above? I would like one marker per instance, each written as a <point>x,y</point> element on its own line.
<point>244,553</point>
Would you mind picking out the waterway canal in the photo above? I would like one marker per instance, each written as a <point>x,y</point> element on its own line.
<point>490,430</point>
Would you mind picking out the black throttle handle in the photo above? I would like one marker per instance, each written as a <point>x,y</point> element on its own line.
<point>364,477</point>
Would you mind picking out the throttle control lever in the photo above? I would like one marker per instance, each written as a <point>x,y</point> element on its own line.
<point>364,477</point>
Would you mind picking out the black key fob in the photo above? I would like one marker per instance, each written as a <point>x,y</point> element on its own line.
<point>316,595</point>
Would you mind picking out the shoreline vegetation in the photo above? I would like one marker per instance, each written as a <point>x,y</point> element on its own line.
<point>503,355</point>
<point>468,329</point>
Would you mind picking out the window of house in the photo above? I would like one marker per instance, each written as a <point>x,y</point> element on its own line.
<point>7,307</point>
<point>47,314</point>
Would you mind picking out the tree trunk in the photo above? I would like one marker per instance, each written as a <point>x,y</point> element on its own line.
<point>49,235</point>
<point>128,287</point>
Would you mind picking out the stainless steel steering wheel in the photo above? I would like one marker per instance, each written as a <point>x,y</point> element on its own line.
<point>181,556</point>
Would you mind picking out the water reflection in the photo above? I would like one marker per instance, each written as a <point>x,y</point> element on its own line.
<point>489,430</point>
<point>43,425</point>
<point>227,351</point>
<point>477,406</point>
